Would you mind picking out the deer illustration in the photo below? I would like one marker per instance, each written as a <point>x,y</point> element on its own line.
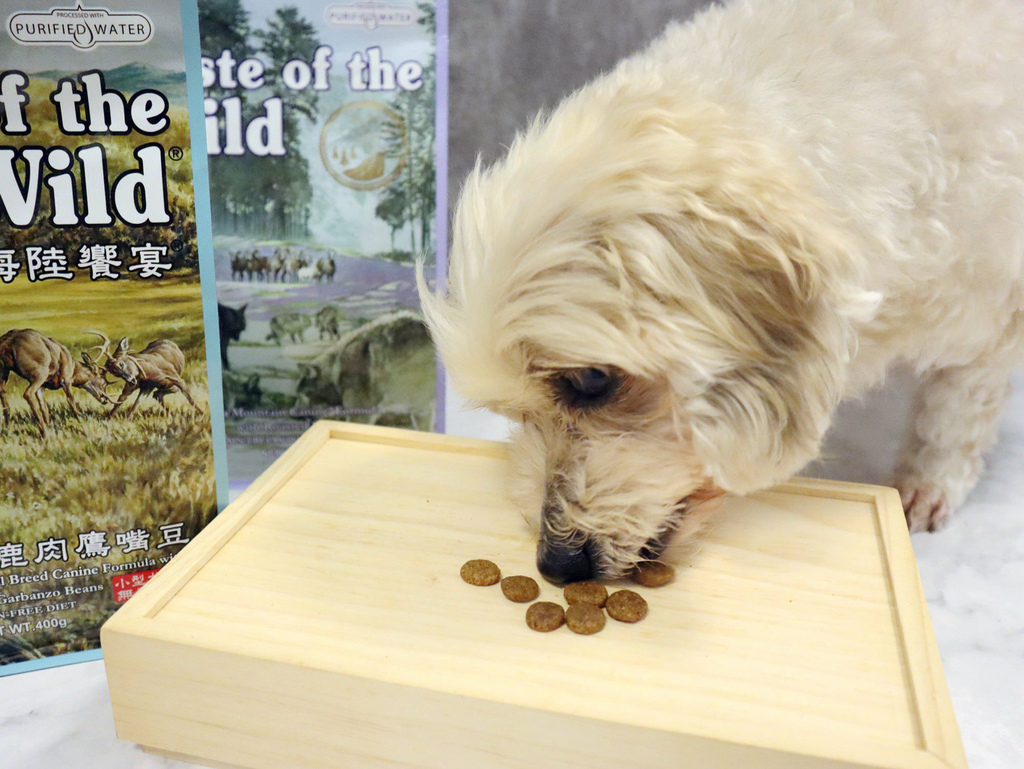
<point>91,377</point>
<point>157,370</point>
<point>47,365</point>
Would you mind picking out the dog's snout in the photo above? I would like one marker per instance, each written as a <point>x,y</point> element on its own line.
<point>561,563</point>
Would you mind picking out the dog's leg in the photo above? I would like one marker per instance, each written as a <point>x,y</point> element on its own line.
<point>954,422</point>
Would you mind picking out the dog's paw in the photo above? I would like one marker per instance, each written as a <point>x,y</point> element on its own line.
<point>926,505</point>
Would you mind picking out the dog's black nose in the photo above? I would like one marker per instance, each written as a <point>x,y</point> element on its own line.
<point>561,563</point>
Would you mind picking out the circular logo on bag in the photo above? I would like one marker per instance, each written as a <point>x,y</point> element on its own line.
<point>364,145</point>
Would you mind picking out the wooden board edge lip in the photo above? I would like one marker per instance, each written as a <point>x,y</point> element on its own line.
<point>819,487</point>
<point>155,594</point>
<point>925,678</point>
<point>396,436</point>
<point>898,761</point>
<point>918,762</point>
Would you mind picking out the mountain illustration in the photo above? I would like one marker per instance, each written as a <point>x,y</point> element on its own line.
<point>130,78</point>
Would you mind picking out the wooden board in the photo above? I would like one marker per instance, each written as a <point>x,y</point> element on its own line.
<point>320,621</point>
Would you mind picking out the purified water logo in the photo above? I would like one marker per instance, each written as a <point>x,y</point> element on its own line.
<point>81,27</point>
<point>370,14</point>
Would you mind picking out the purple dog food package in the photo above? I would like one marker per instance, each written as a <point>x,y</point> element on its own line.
<point>325,132</point>
<point>107,441</point>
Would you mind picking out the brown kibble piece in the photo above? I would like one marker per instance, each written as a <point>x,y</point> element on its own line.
<point>653,573</point>
<point>586,592</point>
<point>626,606</point>
<point>480,572</point>
<point>545,616</point>
<point>520,589</point>
<point>584,618</point>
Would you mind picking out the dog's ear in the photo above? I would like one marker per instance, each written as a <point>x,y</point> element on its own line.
<point>780,292</point>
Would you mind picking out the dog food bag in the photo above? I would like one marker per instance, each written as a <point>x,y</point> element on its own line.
<point>322,132</point>
<point>106,444</point>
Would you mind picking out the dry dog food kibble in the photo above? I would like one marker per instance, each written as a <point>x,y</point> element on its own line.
<point>520,589</point>
<point>586,592</point>
<point>653,573</point>
<point>480,572</point>
<point>586,599</point>
<point>626,606</point>
<point>584,618</point>
<point>545,616</point>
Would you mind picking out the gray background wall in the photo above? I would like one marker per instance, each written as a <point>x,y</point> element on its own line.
<point>511,58</point>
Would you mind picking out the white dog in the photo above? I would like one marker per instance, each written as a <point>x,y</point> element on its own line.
<point>671,280</point>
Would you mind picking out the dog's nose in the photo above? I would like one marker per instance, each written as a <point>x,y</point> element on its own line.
<point>561,563</point>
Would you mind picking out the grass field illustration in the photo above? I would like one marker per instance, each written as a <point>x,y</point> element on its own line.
<point>100,473</point>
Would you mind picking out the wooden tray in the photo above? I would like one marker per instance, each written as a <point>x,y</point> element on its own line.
<point>320,621</point>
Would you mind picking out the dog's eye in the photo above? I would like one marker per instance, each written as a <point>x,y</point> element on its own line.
<point>583,388</point>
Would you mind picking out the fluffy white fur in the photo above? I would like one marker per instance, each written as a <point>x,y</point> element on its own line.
<point>742,224</point>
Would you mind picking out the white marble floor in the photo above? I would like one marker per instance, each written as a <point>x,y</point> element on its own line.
<point>973,573</point>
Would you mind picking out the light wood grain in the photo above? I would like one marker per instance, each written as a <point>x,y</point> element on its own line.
<point>321,621</point>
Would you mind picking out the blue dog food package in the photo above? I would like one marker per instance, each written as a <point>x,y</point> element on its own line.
<point>325,133</point>
<point>106,438</point>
